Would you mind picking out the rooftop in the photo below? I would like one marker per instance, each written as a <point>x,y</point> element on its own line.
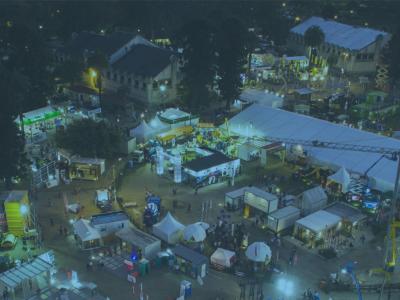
<point>345,211</point>
<point>107,44</point>
<point>285,211</point>
<point>190,255</point>
<point>261,193</point>
<point>206,162</point>
<point>319,221</point>
<point>144,60</point>
<point>116,216</point>
<point>136,237</point>
<point>12,196</point>
<point>342,35</point>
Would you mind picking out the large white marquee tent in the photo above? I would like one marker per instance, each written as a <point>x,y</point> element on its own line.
<point>168,229</point>
<point>261,121</point>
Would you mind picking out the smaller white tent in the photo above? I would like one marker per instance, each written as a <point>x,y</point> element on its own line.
<point>259,252</point>
<point>168,229</point>
<point>203,225</point>
<point>142,132</point>
<point>194,233</point>
<point>158,126</point>
<point>223,258</point>
<point>341,177</point>
<point>313,199</point>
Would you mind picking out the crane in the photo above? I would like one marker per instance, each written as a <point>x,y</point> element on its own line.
<point>393,224</point>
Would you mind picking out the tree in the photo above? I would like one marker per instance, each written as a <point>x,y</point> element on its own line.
<point>70,71</point>
<point>90,139</point>
<point>232,48</point>
<point>391,56</point>
<point>13,160</point>
<point>198,43</point>
<point>314,36</point>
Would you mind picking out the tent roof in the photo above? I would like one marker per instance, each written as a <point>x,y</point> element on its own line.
<point>261,97</point>
<point>261,193</point>
<point>169,224</point>
<point>157,124</point>
<point>174,114</point>
<point>342,35</point>
<point>284,212</point>
<point>222,254</point>
<point>341,176</point>
<point>258,251</point>
<point>143,129</point>
<point>345,212</point>
<point>261,121</point>
<point>319,221</point>
<point>16,276</point>
<point>315,194</point>
<point>194,232</point>
<point>85,231</point>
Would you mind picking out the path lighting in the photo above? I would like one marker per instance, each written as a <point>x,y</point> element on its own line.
<point>24,209</point>
<point>285,286</point>
<point>93,73</point>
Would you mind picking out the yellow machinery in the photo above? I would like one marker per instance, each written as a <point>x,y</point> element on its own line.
<point>16,207</point>
<point>393,256</point>
<point>174,133</point>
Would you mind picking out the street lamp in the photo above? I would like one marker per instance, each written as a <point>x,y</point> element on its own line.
<point>285,286</point>
<point>24,209</point>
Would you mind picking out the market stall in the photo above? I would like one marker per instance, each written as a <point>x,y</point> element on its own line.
<point>168,229</point>
<point>342,178</point>
<point>316,226</point>
<point>312,200</point>
<point>139,244</point>
<point>223,259</point>
<point>259,252</point>
<point>259,203</point>
<point>283,218</point>
<point>190,262</point>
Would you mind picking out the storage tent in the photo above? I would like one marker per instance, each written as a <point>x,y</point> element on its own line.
<point>85,231</point>
<point>258,252</point>
<point>194,233</point>
<point>168,229</point>
<point>223,258</point>
<point>341,177</point>
<point>319,221</point>
<point>158,126</point>
<point>142,132</point>
<point>313,200</point>
<point>265,122</point>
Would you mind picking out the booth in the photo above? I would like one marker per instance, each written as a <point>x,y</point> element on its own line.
<point>16,207</point>
<point>316,226</point>
<point>312,200</point>
<point>87,236</point>
<point>142,132</point>
<point>86,168</point>
<point>235,199</point>
<point>194,233</point>
<point>137,243</point>
<point>223,259</point>
<point>168,229</point>
<point>259,202</point>
<point>342,178</point>
<point>283,218</point>
<point>190,262</point>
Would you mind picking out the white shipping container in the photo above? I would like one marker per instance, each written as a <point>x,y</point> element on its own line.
<point>283,218</point>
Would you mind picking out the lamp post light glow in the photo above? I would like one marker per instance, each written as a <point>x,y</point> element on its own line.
<point>93,73</point>
<point>24,209</point>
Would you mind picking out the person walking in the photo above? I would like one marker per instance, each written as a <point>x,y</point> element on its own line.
<point>189,208</point>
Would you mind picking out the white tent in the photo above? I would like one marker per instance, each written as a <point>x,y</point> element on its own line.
<point>313,199</point>
<point>194,233</point>
<point>85,231</point>
<point>341,177</point>
<point>319,221</point>
<point>261,121</point>
<point>203,225</point>
<point>262,97</point>
<point>168,229</point>
<point>223,258</point>
<point>142,132</point>
<point>158,126</point>
<point>258,252</point>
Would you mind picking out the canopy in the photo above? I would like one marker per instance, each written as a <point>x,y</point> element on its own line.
<point>342,177</point>
<point>143,131</point>
<point>158,126</point>
<point>261,97</point>
<point>319,221</point>
<point>168,229</point>
<point>194,233</point>
<point>204,225</point>
<point>314,195</point>
<point>258,252</point>
<point>265,122</point>
<point>85,231</point>
<point>223,257</point>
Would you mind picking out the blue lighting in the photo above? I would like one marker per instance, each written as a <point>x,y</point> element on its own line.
<point>134,256</point>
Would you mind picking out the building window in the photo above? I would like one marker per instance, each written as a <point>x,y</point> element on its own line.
<point>136,84</point>
<point>108,75</point>
<point>115,77</point>
<point>129,80</point>
<point>122,79</point>
<point>144,86</point>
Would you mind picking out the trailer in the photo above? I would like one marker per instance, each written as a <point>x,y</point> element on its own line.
<point>283,218</point>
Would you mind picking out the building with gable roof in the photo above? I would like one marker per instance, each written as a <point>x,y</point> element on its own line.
<point>356,49</point>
